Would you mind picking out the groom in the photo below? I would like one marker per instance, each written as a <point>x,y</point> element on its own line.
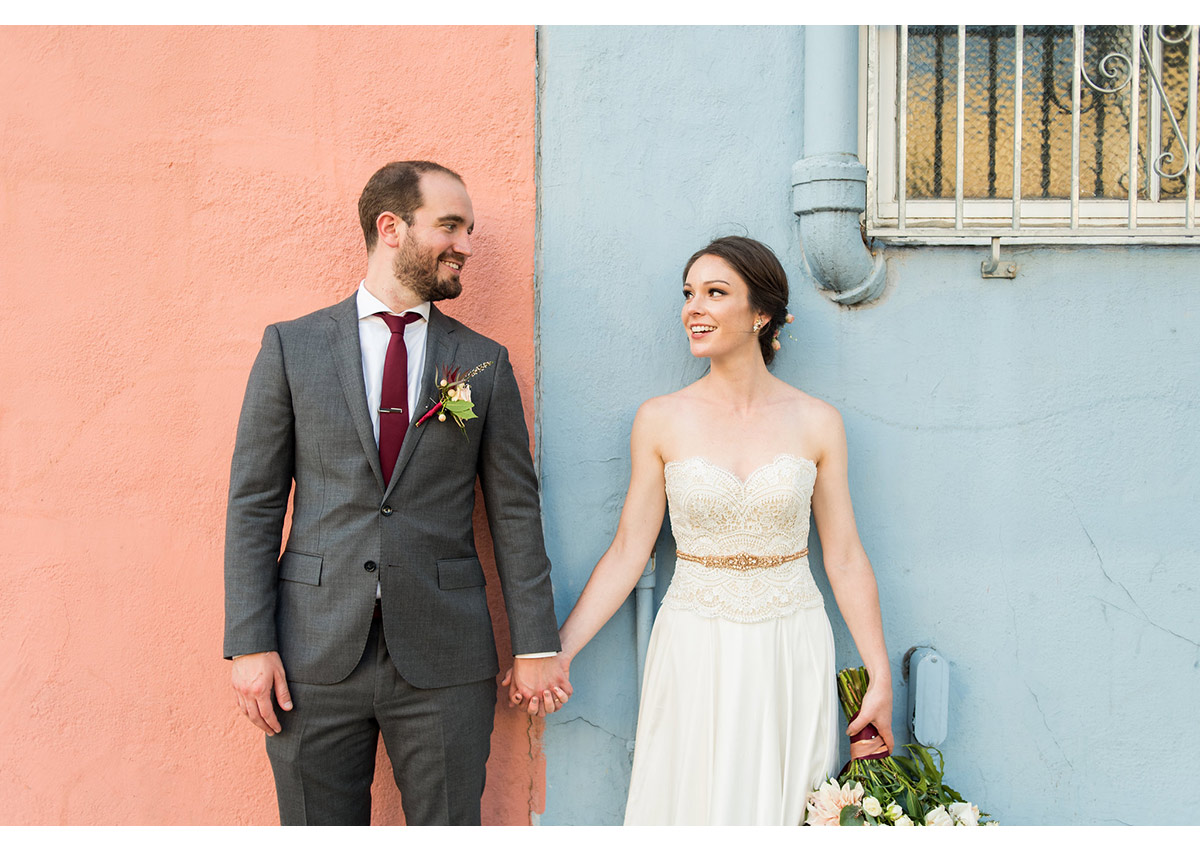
<point>375,619</point>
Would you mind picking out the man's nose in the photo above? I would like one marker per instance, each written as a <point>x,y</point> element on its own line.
<point>463,245</point>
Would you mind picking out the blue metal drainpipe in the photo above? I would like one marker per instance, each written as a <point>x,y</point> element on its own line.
<point>829,184</point>
<point>643,603</point>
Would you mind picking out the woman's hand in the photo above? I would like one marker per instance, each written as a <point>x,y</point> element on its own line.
<point>544,682</point>
<point>877,711</point>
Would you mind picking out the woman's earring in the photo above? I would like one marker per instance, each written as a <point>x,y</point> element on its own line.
<point>757,325</point>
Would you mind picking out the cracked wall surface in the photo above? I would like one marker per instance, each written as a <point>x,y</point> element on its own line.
<point>1024,460</point>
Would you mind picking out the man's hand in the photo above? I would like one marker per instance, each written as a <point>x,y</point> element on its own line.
<point>254,677</point>
<point>543,682</point>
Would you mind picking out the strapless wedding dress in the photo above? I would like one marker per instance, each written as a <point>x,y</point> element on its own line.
<point>738,708</point>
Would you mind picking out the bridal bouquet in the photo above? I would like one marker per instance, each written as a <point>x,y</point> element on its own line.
<point>884,789</point>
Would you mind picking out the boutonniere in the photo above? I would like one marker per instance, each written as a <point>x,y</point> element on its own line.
<point>454,397</point>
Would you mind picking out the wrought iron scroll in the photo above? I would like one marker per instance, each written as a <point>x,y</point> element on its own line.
<point>1166,155</point>
<point>1128,92</point>
<point>1115,64</point>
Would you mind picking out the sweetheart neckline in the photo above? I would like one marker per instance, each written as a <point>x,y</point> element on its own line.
<point>746,481</point>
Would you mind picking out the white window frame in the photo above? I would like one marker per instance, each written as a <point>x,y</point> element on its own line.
<point>894,219</point>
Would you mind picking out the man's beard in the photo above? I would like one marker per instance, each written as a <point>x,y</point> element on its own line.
<point>421,273</point>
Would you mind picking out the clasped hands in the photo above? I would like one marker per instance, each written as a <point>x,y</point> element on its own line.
<point>542,685</point>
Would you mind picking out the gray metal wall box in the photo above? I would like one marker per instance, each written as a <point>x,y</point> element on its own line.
<point>928,696</point>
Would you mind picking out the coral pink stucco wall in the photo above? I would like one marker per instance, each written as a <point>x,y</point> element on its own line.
<point>164,194</point>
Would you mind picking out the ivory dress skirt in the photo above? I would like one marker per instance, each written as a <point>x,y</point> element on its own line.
<point>737,722</point>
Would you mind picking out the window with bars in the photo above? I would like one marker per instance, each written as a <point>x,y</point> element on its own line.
<point>1032,133</point>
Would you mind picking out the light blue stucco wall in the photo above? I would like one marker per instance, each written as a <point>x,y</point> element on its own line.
<point>1024,460</point>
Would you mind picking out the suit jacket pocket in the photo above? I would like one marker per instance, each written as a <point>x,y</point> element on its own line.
<point>460,573</point>
<point>300,567</point>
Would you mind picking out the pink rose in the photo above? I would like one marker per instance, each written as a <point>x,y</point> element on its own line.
<point>826,803</point>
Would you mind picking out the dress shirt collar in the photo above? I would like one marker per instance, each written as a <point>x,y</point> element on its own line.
<point>368,305</point>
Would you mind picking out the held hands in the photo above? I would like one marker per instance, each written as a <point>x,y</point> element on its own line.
<point>543,684</point>
<point>254,677</point>
<point>877,711</point>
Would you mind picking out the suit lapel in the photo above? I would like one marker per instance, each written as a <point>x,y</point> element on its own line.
<point>440,347</point>
<point>347,357</point>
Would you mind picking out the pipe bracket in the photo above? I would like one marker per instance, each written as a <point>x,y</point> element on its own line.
<point>993,268</point>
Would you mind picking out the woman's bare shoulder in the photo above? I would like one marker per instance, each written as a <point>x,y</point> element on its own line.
<point>822,416</point>
<point>660,419</point>
<point>654,408</point>
<point>669,404</point>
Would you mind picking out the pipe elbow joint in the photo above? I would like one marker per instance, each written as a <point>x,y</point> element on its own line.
<point>829,195</point>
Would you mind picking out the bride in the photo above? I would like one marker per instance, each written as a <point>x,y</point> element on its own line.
<point>738,714</point>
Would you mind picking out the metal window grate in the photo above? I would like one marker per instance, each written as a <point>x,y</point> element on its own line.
<point>1032,133</point>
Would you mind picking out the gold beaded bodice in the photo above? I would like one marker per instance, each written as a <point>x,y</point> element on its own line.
<point>721,522</point>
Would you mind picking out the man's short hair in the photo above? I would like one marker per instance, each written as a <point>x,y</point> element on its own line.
<point>395,188</point>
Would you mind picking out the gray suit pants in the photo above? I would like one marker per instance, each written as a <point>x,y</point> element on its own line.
<point>438,740</point>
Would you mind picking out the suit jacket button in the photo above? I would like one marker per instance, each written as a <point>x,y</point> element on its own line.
<point>386,511</point>
<point>370,567</point>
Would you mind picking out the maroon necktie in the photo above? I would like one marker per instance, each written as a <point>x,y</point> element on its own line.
<point>393,401</point>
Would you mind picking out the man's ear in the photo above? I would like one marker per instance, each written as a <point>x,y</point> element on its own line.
<point>390,229</point>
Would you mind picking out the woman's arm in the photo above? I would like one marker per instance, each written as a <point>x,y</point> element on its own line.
<point>619,569</point>
<point>850,574</point>
<point>621,566</point>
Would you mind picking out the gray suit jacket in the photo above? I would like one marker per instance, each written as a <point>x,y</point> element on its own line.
<point>304,423</point>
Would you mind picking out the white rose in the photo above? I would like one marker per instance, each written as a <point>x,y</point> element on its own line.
<point>938,817</point>
<point>965,813</point>
<point>871,807</point>
<point>904,821</point>
<point>464,393</point>
<point>894,812</point>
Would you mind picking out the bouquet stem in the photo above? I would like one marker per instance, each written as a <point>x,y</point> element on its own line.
<point>877,770</point>
<point>894,790</point>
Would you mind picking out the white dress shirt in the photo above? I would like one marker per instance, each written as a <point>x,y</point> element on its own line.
<point>373,338</point>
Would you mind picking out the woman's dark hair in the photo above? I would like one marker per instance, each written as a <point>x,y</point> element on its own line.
<point>763,273</point>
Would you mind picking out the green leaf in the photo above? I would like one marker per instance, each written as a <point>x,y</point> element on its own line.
<point>458,407</point>
<point>912,806</point>
<point>850,815</point>
<point>930,771</point>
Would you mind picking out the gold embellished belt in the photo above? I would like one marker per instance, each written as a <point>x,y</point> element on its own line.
<point>741,561</point>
